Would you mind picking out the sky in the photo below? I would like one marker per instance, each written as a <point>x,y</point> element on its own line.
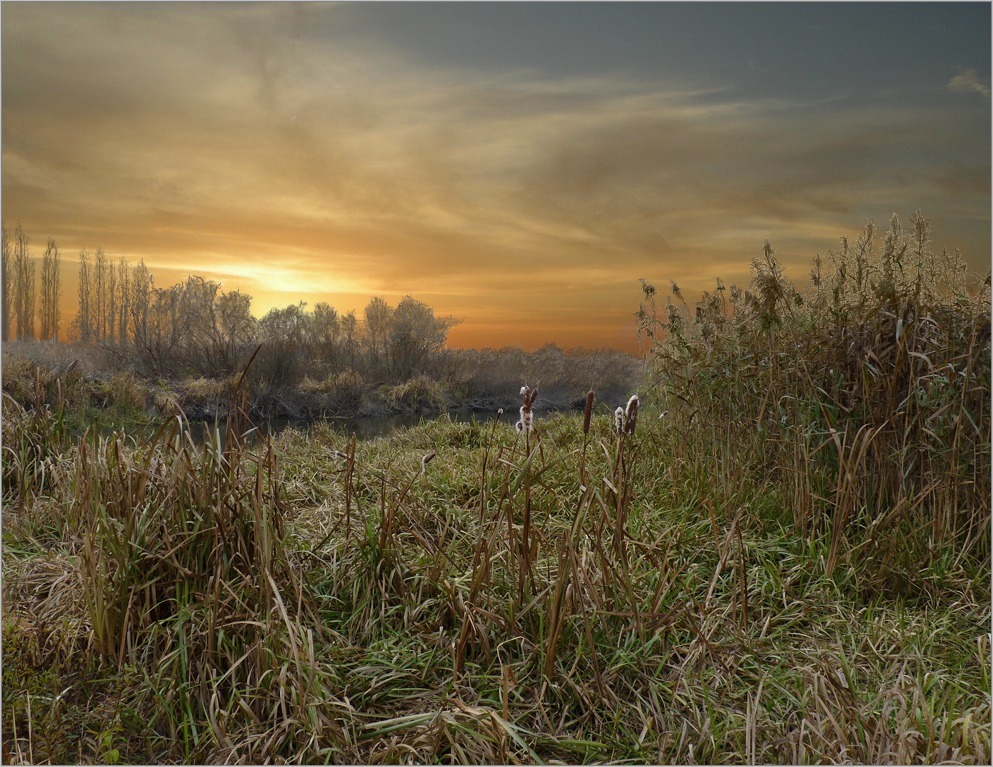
<point>518,166</point>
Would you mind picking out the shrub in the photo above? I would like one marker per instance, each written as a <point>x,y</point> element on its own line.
<point>417,393</point>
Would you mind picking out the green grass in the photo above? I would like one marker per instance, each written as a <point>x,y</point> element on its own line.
<point>713,635</point>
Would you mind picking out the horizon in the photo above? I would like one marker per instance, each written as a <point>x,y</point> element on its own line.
<point>517,167</point>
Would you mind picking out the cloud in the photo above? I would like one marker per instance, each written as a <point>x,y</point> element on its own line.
<point>272,149</point>
<point>967,81</point>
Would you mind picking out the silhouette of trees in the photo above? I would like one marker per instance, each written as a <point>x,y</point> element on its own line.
<point>110,304</point>
<point>414,334</point>
<point>124,298</point>
<point>99,300</point>
<point>24,285</point>
<point>236,329</point>
<point>84,320</point>
<point>51,290</point>
<point>378,315</point>
<point>195,328</point>
<point>325,327</point>
<point>5,284</point>
<point>139,301</point>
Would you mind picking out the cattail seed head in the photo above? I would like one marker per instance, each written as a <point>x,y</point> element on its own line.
<point>528,396</point>
<point>619,420</point>
<point>588,411</point>
<point>425,461</point>
<point>631,415</point>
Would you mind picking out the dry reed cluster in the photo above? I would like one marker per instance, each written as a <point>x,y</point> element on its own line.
<point>866,397</point>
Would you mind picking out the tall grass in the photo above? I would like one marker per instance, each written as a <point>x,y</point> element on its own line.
<point>187,573</point>
<point>866,396</point>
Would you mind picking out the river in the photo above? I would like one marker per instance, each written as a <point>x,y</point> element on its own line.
<point>364,427</point>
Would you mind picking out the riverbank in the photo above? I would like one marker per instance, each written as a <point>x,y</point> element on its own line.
<point>98,390</point>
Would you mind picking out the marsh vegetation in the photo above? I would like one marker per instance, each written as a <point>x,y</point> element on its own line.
<point>785,557</point>
<point>186,345</point>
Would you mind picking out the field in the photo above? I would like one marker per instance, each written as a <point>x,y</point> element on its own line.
<point>779,554</point>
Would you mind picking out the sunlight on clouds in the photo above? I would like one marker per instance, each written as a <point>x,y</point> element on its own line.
<point>268,147</point>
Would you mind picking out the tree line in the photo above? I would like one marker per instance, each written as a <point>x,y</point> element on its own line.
<point>18,286</point>
<point>194,328</point>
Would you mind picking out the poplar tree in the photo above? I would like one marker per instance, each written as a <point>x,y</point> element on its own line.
<point>111,289</point>
<point>24,296</point>
<point>124,304</point>
<point>6,286</point>
<point>51,288</point>
<point>99,304</point>
<point>141,288</point>
<point>84,320</point>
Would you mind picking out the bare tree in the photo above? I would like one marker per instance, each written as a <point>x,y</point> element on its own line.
<point>236,326</point>
<point>141,290</point>
<point>201,345</point>
<point>377,319</point>
<point>84,318</point>
<point>157,337</point>
<point>6,285</point>
<point>414,335</point>
<point>124,300</point>
<point>51,285</point>
<point>56,287</point>
<point>100,295</point>
<point>24,296</point>
<point>111,301</point>
<point>324,330</point>
<point>349,326</point>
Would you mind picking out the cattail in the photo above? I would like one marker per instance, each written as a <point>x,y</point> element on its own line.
<point>619,420</point>
<point>588,412</point>
<point>499,412</point>
<point>425,461</point>
<point>519,426</point>
<point>528,396</point>
<point>631,415</point>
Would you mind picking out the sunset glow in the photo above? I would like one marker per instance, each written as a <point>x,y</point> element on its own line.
<point>517,166</point>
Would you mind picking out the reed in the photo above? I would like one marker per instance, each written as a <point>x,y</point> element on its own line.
<point>868,392</point>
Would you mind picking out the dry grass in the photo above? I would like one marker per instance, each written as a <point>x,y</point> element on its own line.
<point>722,585</point>
<point>715,635</point>
<point>867,396</point>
